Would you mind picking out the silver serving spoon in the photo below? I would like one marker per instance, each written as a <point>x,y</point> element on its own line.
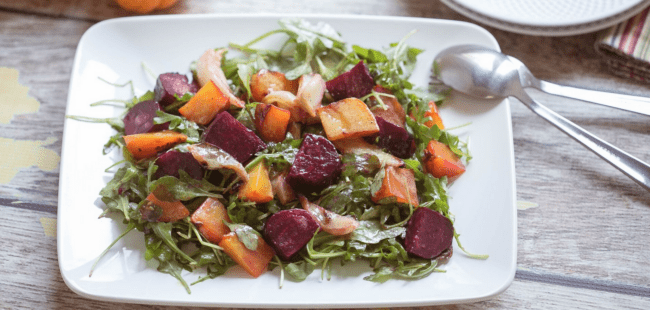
<point>630,103</point>
<point>483,73</point>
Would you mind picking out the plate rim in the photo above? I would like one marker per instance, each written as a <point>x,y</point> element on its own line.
<point>568,29</point>
<point>74,286</point>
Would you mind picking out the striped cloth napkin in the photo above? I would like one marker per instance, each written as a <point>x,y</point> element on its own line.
<point>626,47</point>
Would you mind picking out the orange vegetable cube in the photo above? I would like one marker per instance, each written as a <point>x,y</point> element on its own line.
<point>398,186</point>
<point>254,262</point>
<point>258,187</point>
<point>172,210</point>
<point>434,115</point>
<point>144,145</point>
<point>209,219</point>
<point>347,118</point>
<point>205,104</point>
<point>441,161</point>
<point>271,122</point>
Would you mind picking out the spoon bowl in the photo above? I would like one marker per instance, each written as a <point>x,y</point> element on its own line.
<point>477,71</point>
<point>487,74</point>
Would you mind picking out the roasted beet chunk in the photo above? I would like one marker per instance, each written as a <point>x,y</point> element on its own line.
<point>317,165</point>
<point>140,118</point>
<point>289,230</point>
<point>394,139</point>
<point>170,84</point>
<point>173,161</point>
<point>428,233</point>
<point>228,134</point>
<point>355,83</point>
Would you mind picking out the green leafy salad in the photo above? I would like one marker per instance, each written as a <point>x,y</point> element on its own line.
<point>295,159</point>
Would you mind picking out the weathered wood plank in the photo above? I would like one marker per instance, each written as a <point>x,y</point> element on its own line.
<point>42,50</point>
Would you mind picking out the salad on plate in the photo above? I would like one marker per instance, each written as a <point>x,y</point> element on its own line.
<point>313,154</point>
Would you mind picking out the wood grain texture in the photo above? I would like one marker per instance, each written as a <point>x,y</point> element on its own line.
<point>591,221</point>
<point>42,50</point>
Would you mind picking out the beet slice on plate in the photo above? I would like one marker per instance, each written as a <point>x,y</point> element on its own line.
<point>392,138</point>
<point>171,162</point>
<point>288,231</point>
<point>228,134</point>
<point>317,165</point>
<point>354,83</point>
<point>428,233</point>
<point>170,84</point>
<point>140,118</point>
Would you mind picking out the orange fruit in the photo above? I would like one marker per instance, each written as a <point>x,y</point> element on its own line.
<point>165,4</point>
<point>144,6</point>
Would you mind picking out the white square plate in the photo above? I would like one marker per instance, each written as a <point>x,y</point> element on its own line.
<point>483,199</point>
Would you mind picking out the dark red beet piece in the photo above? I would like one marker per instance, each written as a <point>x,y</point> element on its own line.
<point>288,231</point>
<point>170,84</point>
<point>394,139</point>
<point>228,134</point>
<point>171,162</point>
<point>428,233</point>
<point>316,166</point>
<point>355,83</point>
<point>140,118</point>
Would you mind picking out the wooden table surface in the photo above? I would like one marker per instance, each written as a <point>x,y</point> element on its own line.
<point>582,238</point>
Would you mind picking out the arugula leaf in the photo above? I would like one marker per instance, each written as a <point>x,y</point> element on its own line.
<point>309,47</point>
<point>392,68</point>
<point>185,188</point>
<point>370,55</point>
<point>371,232</point>
<point>246,234</point>
<point>169,265</point>
<point>300,270</point>
<point>179,124</point>
<point>278,156</point>
<point>128,184</point>
<point>351,196</point>
<point>164,232</point>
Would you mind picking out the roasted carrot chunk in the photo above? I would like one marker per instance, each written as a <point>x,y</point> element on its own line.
<point>209,219</point>
<point>441,161</point>
<point>271,122</point>
<point>205,105</point>
<point>398,185</point>
<point>348,118</point>
<point>432,112</point>
<point>172,211</point>
<point>434,115</point>
<point>258,187</point>
<point>145,145</point>
<point>254,262</point>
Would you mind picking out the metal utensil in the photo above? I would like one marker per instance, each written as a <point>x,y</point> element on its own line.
<point>483,73</point>
<point>630,103</point>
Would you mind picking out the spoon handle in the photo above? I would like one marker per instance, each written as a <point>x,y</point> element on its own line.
<point>626,163</point>
<point>630,103</point>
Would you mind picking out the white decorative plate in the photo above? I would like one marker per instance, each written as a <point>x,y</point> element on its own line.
<point>549,17</point>
<point>483,199</point>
